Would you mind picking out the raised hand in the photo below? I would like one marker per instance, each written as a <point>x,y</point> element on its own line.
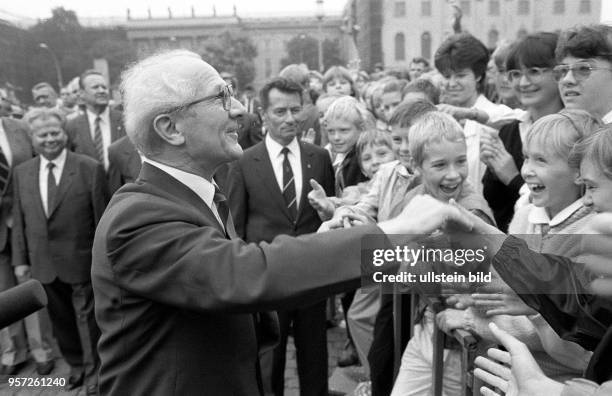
<point>308,136</point>
<point>523,378</point>
<point>319,201</point>
<point>502,304</point>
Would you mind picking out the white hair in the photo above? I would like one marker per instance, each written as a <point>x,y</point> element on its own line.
<point>152,86</point>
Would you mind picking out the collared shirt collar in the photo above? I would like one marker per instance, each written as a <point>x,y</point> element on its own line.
<point>199,185</point>
<point>607,119</point>
<point>59,162</point>
<point>91,116</point>
<point>274,147</point>
<point>538,215</point>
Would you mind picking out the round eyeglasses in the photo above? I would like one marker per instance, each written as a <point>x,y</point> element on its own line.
<point>532,73</point>
<point>580,70</point>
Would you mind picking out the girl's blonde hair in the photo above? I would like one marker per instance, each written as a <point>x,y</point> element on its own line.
<point>560,131</point>
<point>349,108</point>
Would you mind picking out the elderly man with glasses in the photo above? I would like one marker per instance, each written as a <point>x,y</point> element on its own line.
<point>175,290</point>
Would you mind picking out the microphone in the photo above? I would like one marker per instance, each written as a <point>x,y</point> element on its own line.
<point>20,301</point>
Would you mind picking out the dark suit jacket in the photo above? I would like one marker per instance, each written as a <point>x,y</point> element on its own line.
<point>256,200</point>
<point>123,163</point>
<point>351,171</point>
<point>21,149</point>
<point>173,295</point>
<point>58,246</point>
<point>79,133</point>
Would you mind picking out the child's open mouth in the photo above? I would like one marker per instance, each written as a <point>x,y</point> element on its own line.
<point>449,189</point>
<point>536,188</point>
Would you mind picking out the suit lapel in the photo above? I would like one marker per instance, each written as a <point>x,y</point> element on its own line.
<point>161,179</point>
<point>32,186</point>
<point>86,135</point>
<point>263,168</point>
<point>116,125</point>
<point>307,174</point>
<point>65,181</point>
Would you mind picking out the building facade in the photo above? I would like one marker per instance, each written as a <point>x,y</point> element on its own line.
<point>417,27</point>
<point>269,35</point>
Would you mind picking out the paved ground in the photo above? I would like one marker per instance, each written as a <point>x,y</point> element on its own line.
<point>335,341</point>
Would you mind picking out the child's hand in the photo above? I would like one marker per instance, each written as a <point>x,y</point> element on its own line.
<point>319,201</point>
<point>502,304</point>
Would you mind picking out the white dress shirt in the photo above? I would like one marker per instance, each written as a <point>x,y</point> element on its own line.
<point>4,144</point>
<point>199,185</point>
<point>295,160</point>
<point>43,174</point>
<point>105,128</point>
<point>607,119</point>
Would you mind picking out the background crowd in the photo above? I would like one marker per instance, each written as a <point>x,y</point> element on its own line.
<point>518,138</point>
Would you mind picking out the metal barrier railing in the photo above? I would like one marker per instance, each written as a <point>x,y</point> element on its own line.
<point>469,347</point>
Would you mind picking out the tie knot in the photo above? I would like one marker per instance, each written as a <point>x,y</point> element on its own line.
<point>50,165</point>
<point>219,196</point>
<point>98,119</point>
<point>285,151</point>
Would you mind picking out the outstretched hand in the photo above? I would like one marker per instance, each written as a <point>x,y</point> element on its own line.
<point>523,378</point>
<point>319,201</point>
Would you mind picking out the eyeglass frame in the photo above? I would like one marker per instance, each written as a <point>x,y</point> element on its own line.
<point>538,75</point>
<point>573,68</point>
<point>226,93</point>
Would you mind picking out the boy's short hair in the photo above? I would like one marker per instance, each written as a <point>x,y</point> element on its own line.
<point>592,41</point>
<point>349,108</point>
<point>425,86</point>
<point>461,51</point>
<point>535,50</point>
<point>296,73</point>
<point>43,84</point>
<point>406,113</point>
<point>432,127</point>
<point>421,60</point>
<point>597,148</point>
<point>559,132</point>
<point>339,72</point>
<point>372,137</point>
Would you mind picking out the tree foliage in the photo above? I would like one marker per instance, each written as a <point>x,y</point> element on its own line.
<point>303,48</point>
<point>76,47</point>
<point>231,52</point>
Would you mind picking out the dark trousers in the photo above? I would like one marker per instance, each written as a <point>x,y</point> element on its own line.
<point>380,356</point>
<point>71,307</point>
<point>310,338</point>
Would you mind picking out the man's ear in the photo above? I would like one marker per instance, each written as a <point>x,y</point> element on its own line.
<point>165,127</point>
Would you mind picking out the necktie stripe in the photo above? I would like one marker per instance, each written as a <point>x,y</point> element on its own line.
<point>4,171</point>
<point>98,142</point>
<point>289,185</point>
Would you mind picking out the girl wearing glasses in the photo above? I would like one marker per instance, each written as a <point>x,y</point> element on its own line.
<point>529,64</point>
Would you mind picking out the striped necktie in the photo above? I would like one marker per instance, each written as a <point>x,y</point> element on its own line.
<point>223,210</point>
<point>98,142</point>
<point>51,188</point>
<point>289,185</point>
<point>5,171</point>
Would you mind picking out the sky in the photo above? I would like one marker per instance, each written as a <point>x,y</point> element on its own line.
<point>117,8</point>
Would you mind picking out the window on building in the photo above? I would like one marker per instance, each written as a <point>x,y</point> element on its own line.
<point>426,8</point>
<point>493,38</point>
<point>426,45</point>
<point>493,7</point>
<point>268,71</point>
<point>585,7</point>
<point>400,47</point>
<point>559,6</point>
<point>400,9</point>
<point>466,7</point>
<point>523,7</point>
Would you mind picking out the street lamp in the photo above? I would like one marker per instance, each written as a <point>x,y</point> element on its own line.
<point>58,70</point>
<point>320,14</point>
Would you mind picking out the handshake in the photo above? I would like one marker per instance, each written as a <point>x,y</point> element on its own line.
<point>421,216</point>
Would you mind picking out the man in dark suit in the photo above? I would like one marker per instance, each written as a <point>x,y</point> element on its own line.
<point>268,190</point>
<point>15,148</point>
<point>175,289</point>
<point>58,199</point>
<point>92,132</point>
<point>124,164</point>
